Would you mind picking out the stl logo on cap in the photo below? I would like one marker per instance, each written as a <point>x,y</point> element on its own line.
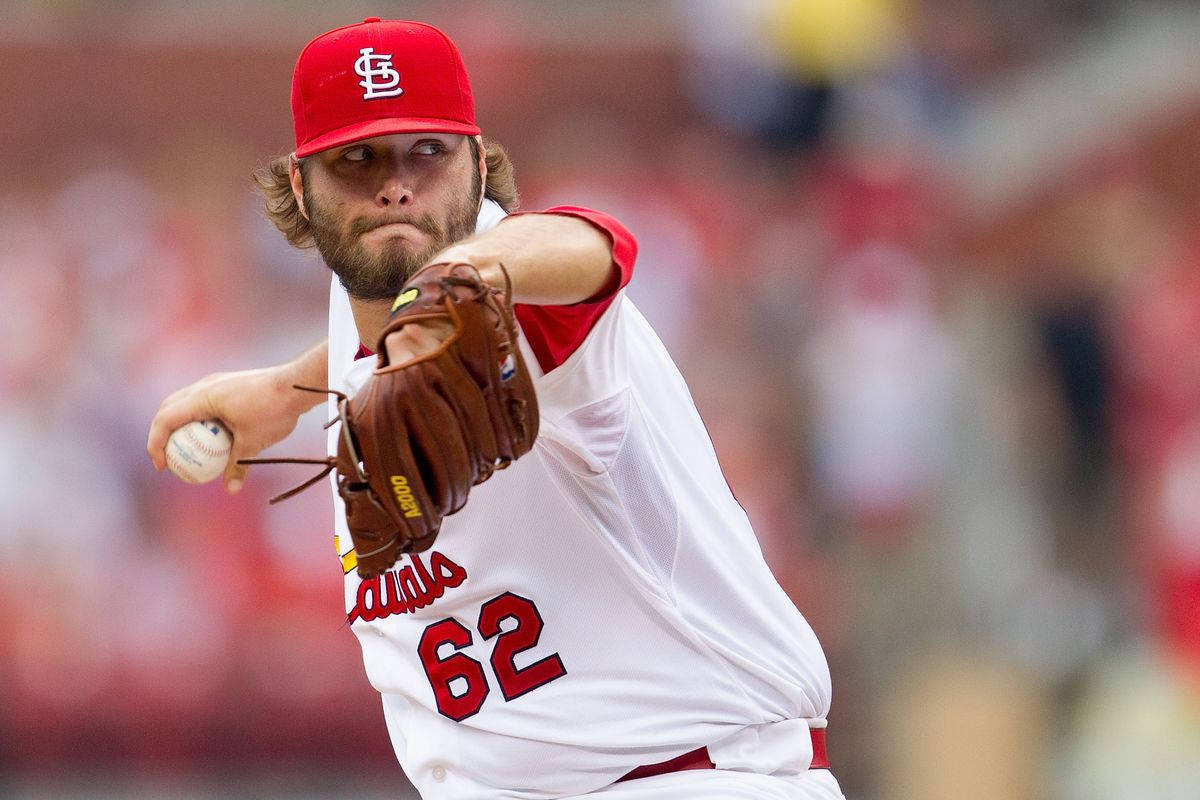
<point>371,65</point>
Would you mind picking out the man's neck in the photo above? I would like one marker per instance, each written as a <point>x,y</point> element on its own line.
<point>370,317</point>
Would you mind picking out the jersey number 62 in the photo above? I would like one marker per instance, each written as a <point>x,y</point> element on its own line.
<point>459,668</point>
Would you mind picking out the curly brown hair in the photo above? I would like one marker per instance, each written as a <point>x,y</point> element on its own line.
<point>284,212</point>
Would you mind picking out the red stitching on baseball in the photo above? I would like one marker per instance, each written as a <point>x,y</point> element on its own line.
<point>190,433</point>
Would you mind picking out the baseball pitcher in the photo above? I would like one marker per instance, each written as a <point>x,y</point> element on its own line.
<point>555,591</point>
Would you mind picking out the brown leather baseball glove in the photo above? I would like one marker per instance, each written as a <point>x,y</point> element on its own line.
<point>420,434</point>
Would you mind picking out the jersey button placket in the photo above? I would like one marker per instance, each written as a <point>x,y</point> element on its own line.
<point>439,773</point>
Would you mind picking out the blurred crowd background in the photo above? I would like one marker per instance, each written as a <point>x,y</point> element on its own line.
<point>931,268</point>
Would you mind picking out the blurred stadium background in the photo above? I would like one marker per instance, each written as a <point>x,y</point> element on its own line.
<point>932,269</point>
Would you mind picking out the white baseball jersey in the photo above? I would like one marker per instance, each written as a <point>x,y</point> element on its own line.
<point>600,605</point>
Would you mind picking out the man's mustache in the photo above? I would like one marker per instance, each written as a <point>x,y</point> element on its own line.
<point>425,224</point>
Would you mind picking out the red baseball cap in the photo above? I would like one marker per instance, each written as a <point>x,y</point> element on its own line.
<point>379,77</point>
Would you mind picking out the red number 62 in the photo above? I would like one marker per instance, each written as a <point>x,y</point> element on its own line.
<point>457,666</point>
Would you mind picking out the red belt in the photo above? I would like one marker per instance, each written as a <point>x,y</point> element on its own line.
<point>699,759</point>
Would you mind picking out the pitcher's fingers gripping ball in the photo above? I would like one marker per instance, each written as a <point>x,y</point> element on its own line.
<point>421,433</point>
<point>199,451</point>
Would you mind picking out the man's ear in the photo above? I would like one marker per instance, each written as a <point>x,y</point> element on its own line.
<point>297,179</point>
<point>482,169</point>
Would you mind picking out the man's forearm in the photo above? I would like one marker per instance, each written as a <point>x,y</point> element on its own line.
<point>551,259</point>
<point>308,369</point>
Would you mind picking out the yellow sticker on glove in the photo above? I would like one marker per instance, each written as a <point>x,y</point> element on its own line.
<point>405,297</point>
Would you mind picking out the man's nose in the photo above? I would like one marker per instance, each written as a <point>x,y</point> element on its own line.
<point>395,188</point>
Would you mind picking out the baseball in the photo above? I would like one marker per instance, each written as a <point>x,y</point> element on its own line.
<point>199,451</point>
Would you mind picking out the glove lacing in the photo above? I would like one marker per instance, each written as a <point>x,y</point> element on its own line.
<point>330,462</point>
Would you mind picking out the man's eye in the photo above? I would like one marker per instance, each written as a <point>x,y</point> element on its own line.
<point>357,154</point>
<point>429,148</point>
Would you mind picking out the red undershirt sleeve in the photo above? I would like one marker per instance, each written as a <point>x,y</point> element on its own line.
<point>555,332</point>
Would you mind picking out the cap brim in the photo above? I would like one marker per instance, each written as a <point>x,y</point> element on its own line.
<point>382,127</point>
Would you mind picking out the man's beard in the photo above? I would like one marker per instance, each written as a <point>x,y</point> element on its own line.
<point>380,276</point>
